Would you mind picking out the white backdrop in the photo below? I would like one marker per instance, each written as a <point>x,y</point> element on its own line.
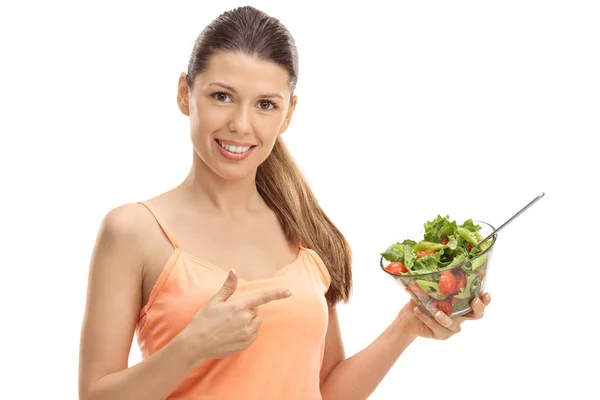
<point>406,111</point>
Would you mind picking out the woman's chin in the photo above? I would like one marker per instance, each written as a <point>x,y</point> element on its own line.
<point>233,171</point>
<point>236,174</point>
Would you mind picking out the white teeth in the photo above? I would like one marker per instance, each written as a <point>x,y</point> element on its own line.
<point>234,149</point>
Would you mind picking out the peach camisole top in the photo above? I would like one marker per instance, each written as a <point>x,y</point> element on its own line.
<point>285,360</point>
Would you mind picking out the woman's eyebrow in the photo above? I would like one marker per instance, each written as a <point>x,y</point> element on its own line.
<point>231,89</point>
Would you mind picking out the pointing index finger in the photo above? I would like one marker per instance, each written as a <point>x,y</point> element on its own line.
<point>261,298</point>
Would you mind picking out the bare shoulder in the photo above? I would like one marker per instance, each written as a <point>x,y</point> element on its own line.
<point>127,221</point>
<point>125,230</point>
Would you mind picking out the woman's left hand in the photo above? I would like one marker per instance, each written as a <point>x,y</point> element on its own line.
<point>441,327</point>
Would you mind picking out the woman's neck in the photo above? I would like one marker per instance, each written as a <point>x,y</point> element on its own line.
<point>210,192</point>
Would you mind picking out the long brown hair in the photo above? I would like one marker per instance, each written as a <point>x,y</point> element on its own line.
<point>278,179</point>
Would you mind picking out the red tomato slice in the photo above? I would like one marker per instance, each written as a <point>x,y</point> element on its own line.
<point>391,270</point>
<point>396,268</point>
<point>445,241</point>
<point>448,283</point>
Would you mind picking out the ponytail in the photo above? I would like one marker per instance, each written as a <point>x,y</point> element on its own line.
<point>285,190</point>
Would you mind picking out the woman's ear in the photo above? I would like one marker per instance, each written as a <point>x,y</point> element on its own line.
<point>183,95</point>
<point>290,113</point>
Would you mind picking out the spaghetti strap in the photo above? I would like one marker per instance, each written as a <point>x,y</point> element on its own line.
<point>167,233</point>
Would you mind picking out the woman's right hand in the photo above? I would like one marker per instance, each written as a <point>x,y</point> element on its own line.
<point>221,328</point>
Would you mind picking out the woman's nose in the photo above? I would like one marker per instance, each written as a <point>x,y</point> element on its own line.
<point>241,122</point>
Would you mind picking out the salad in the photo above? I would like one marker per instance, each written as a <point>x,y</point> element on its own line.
<point>444,270</point>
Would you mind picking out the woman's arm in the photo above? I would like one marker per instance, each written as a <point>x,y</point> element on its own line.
<point>358,376</point>
<point>112,308</point>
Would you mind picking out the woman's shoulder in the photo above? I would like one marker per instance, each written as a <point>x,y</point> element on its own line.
<point>127,220</point>
<point>128,224</point>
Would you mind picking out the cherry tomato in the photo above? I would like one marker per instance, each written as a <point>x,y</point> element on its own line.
<point>442,305</point>
<point>448,283</point>
<point>396,268</point>
<point>469,247</point>
<point>445,241</point>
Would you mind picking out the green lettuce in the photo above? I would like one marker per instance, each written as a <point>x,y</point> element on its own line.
<point>432,289</point>
<point>470,288</point>
<point>399,251</point>
<point>448,244</point>
<point>439,228</point>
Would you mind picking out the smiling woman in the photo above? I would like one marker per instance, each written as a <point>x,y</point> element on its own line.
<point>239,105</point>
<point>231,279</point>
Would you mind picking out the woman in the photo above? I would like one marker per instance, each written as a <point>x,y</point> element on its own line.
<point>230,280</point>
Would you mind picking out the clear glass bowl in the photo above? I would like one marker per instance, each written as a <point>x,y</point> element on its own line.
<point>424,287</point>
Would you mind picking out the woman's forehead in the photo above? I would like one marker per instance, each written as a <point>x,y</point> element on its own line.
<point>244,72</point>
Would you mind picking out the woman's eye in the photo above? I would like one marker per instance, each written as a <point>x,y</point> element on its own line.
<point>220,96</point>
<point>266,105</point>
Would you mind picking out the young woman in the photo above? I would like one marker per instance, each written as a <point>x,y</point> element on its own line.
<point>231,279</point>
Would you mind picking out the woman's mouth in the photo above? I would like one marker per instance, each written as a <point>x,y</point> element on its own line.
<point>234,151</point>
<point>233,148</point>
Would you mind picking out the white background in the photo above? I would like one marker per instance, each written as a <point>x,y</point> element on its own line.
<point>466,108</point>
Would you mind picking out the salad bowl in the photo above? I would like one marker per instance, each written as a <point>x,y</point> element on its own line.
<point>443,267</point>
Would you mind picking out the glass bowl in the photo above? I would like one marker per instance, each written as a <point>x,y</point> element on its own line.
<point>471,275</point>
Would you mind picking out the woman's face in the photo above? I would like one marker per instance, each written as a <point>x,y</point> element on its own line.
<point>238,106</point>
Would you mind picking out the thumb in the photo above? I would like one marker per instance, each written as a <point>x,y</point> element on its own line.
<point>227,289</point>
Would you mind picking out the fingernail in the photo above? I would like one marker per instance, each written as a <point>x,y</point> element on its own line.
<point>287,293</point>
<point>443,319</point>
<point>488,297</point>
<point>477,302</point>
<point>417,311</point>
